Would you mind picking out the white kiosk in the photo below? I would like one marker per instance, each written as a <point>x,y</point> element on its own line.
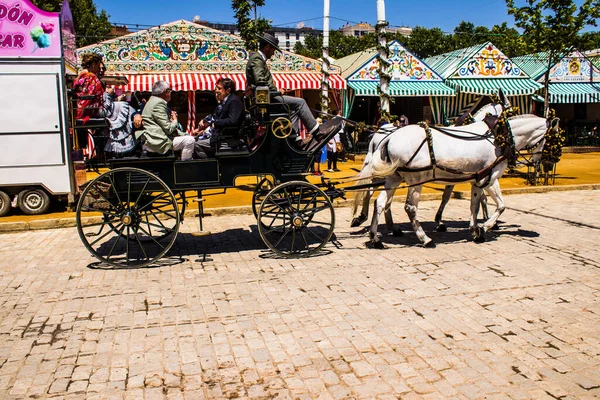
<point>37,48</point>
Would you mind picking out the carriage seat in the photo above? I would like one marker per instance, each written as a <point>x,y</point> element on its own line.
<point>91,123</point>
<point>168,155</point>
<point>231,142</point>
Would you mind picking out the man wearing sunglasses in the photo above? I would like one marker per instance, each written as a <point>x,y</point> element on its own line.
<point>160,134</point>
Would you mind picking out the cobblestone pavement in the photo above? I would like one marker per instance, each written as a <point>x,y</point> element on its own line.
<point>515,317</point>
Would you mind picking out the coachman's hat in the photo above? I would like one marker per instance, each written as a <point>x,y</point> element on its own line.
<point>272,40</point>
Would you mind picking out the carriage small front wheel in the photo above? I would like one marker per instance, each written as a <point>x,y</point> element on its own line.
<point>296,219</point>
<point>263,188</point>
<point>136,217</point>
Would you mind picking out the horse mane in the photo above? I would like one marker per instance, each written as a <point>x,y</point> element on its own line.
<point>521,116</point>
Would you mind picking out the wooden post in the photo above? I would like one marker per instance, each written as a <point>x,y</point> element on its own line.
<point>383,72</point>
<point>325,63</point>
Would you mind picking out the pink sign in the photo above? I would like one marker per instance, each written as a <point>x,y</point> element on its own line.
<point>27,31</point>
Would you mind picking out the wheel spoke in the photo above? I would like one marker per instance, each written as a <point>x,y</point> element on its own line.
<point>141,192</point>
<point>97,224</point>
<point>159,213</point>
<point>299,199</point>
<point>91,209</point>
<point>321,240</point>
<point>112,229</point>
<point>315,210</point>
<point>282,237</point>
<point>161,196</point>
<point>141,245</point>
<point>320,223</point>
<point>115,243</point>
<point>154,240</point>
<point>293,240</point>
<point>127,241</point>
<point>112,185</point>
<point>150,224</point>
<point>128,199</point>
<point>310,201</point>
<point>149,227</point>
<point>305,241</point>
<point>105,199</point>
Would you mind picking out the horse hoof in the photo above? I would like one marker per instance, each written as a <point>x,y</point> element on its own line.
<point>496,227</point>
<point>378,245</point>
<point>357,221</point>
<point>397,232</point>
<point>479,239</point>
<point>441,228</point>
<point>429,245</point>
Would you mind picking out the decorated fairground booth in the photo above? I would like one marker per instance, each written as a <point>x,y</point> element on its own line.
<point>480,71</point>
<point>192,57</point>
<point>573,91</point>
<point>413,85</point>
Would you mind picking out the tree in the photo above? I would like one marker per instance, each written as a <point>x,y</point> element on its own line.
<point>467,35</point>
<point>340,45</point>
<point>425,42</point>
<point>510,41</point>
<point>91,26</point>
<point>250,29</point>
<point>589,41</point>
<point>553,26</point>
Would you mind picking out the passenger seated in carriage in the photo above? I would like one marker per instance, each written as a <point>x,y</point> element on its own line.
<point>87,84</point>
<point>258,74</point>
<point>120,117</point>
<point>228,115</point>
<point>160,134</point>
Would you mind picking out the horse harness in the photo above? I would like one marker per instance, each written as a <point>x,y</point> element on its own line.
<point>485,172</point>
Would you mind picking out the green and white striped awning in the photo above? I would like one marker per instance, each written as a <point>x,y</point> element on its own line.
<point>483,86</point>
<point>577,92</point>
<point>403,89</point>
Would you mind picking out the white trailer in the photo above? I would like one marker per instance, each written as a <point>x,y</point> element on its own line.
<point>36,49</point>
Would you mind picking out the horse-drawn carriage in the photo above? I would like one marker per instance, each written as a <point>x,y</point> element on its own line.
<point>140,202</point>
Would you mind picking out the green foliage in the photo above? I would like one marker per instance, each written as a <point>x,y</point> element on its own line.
<point>555,141</point>
<point>250,28</point>
<point>339,45</point>
<point>589,41</point>
<point>554,25</point>
<point>425,42</point>
<point>91,26</point>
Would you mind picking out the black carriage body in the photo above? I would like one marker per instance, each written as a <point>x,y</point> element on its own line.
<point>274,157</point>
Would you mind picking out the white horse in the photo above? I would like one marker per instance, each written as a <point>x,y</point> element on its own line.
<point>364,197</point>
<point>466,154</point>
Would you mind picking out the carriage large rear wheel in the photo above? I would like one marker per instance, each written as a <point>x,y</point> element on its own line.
<point>296,219</point>
<point>138,217</point>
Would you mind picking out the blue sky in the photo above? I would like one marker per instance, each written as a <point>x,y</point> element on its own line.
<point>430,13</point>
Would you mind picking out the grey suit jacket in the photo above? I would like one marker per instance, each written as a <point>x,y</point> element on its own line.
<point>257,72</point>
<point>158,127</point>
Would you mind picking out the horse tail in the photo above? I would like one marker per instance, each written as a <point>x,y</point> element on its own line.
<point>363,178</point>
<point>379,167</point>
<point>360,195</point>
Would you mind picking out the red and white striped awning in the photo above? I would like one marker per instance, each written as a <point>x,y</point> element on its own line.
<point>199,81</point>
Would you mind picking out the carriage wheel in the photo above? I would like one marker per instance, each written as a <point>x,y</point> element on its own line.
<point>140,217</point>
<point>261,190</point>
<point>296,219</point>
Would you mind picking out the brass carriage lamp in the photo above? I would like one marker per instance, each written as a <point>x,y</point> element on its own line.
<point>262,95</point>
